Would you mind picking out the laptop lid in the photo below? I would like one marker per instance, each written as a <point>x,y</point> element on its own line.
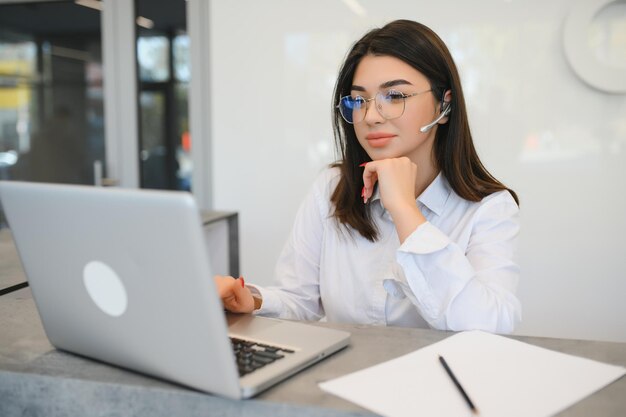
<point>123,276</point>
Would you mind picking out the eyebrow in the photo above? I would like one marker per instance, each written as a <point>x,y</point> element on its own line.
<point>386,84</point>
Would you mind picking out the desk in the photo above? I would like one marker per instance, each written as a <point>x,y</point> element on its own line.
<point>36,379</point>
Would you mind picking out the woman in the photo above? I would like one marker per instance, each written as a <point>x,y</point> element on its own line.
<point>408,228</point>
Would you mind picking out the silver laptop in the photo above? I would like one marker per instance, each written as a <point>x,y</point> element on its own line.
<point>123,276</point>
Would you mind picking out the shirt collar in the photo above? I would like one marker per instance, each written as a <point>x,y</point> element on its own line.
<point>434,196</point>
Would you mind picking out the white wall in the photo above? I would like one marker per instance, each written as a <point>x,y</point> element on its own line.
<point>538,127</point>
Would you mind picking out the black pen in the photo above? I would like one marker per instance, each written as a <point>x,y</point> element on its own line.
<point>458,385</point>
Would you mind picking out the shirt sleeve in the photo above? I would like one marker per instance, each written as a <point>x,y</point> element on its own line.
<point>296,295</point>
<point>462,290</point>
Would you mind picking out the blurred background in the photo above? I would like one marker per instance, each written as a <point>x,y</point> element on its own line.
<point>52,98</point>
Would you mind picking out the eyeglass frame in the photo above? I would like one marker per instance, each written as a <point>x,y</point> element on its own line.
<point>367,100</point>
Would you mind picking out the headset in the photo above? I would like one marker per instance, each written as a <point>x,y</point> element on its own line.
<point>445,110</point>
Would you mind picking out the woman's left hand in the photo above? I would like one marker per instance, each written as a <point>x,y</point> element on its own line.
<point>236,297</point>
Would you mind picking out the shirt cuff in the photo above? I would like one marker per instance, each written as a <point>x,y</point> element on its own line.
<point>271,303</point>
<point>425,239</point>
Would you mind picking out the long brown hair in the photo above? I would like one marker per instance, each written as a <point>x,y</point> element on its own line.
<point>453,152</point>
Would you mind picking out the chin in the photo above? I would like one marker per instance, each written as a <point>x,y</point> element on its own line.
<point>381,153</point>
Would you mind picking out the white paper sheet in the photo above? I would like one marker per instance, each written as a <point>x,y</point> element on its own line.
<point>502,376</point>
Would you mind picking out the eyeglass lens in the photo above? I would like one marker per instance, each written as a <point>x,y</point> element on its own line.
<point>389,105</point>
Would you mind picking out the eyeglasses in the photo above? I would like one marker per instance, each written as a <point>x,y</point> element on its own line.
<point>389,105</point>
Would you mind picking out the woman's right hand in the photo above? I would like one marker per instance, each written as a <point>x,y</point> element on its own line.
<point>396,179</point>
<point>236,297</point>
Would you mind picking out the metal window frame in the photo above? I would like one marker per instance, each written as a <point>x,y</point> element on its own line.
<point>198,16</point>
<point>120,92</point>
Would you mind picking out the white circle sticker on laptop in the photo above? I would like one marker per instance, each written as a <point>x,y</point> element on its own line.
<point>105,288</point>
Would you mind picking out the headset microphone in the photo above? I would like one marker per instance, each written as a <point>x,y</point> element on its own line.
<point>443,114</point>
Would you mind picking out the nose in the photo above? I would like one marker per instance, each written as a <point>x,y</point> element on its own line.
<point>374,115</point>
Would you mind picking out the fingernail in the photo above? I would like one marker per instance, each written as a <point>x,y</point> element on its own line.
<point>363,164</point>
<point>243,283</point>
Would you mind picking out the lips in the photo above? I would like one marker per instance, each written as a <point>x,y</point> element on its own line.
<point>379,139</point>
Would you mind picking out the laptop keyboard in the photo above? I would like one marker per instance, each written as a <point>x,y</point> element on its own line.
<point>252,356</point>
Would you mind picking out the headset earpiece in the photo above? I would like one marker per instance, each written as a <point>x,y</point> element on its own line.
<point>445,109</point>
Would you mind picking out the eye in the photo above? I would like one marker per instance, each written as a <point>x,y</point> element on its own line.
<point>354,102</point>
<point>393,96</point>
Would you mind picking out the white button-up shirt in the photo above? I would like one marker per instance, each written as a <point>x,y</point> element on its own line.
<point>454,272</point>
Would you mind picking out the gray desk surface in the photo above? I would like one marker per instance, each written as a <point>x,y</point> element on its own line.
<point>36,379</point>
<point>214,215</point>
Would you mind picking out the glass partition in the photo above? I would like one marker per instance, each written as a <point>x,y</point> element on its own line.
<point>51,99</point>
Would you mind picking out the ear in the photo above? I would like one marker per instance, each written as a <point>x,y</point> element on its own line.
<point>447,102</point>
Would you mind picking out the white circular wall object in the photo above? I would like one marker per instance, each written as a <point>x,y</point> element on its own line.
<point>105,288</point>
<point>583,60</point>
